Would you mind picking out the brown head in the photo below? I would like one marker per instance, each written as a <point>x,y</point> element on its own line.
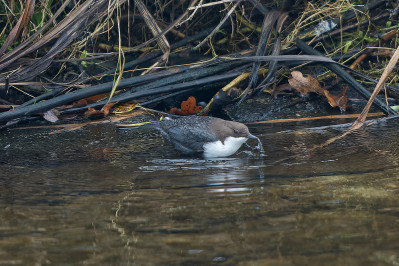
<point>223,129</point>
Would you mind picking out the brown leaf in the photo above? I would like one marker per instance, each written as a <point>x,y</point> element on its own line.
<point>338,100</point>
<point>280,89</point>
<point>80,103</point>
<point>88,100</point>
<point>51,115</point>
<point>97,114</point>
<point>93,113</point>
<point>106,108</point>
<point>304,85</point>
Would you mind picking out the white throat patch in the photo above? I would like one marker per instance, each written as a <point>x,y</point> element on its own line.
<point>218,149</point>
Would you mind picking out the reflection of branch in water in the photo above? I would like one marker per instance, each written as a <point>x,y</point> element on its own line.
<point>331,140</point>
<point>310,152</point>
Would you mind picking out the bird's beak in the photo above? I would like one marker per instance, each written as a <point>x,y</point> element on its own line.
<point>250,136</point>
<point>259,147</point>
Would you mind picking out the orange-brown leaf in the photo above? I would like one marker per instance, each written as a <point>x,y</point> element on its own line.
<point>304,85</point>
<point>80,103</point>
<point>106,108</point>
<point>96,98</point>
<point>96,114</point>
<point>174,110</point>
<point>337,100</point>
<point>93,113</point>
<point>188,107</point>
<point>88,100</point>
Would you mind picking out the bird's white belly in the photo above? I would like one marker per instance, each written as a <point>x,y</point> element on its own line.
<point>219,149</point>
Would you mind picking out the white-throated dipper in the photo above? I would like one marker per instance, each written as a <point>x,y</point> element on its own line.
<point>203,135</point>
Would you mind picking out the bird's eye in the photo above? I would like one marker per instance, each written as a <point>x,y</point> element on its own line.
<point>236,131</point>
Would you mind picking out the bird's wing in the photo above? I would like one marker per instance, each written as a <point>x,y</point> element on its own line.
<point>192,138</point>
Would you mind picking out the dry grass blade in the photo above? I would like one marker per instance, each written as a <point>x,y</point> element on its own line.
<point>23,49</point>
<point>22,23</point>
<point>73,18</point>
<point>155,29</point>
<point>218,26</point>
<point>210,4</point>
<point>389,68</point>
<point>152,24</point>
<point>26,73</point>
<point>69,28</point>
<point>265,58</point>
<point>121,58</point>
<point>171,25</point>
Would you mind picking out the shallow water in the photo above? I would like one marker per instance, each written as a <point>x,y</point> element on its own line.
<point>102,196</point>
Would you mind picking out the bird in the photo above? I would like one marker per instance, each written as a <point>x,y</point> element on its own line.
<point>208,136</point>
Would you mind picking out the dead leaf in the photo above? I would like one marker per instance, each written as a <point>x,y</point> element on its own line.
<point>51,115</point>
<point>279,89</point>
<point>106,108</point>
<point>89,100</point>
<point>304,85</point>
<point>93,113</point>
<point>80,103</point>
<point>309,84</point>
<point>338,100</point>
<point>97,114</point>
<point>188,107</point>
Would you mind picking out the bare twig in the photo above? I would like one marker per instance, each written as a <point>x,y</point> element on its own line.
<point>360,121</point>
<point>210,4</point>
<point>219,25</point>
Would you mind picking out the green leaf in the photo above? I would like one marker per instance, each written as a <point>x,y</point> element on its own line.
<point>370,39</point>
<point>347,45</point>
<point>83,54</point>
<point>395,108</point>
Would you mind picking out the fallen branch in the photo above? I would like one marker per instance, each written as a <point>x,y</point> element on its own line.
<point>82,93</point>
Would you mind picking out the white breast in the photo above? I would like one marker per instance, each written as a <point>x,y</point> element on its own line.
<point>218,149</point>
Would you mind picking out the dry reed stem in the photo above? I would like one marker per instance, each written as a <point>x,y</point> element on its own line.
<point>389,68</point>
<point>210,4</point>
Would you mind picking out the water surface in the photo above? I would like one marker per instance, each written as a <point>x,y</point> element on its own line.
<point>102,196</point>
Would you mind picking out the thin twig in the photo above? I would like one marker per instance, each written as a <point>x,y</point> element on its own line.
<point>219,25</point>
<point>389,68</point>
<point>210,4</point>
